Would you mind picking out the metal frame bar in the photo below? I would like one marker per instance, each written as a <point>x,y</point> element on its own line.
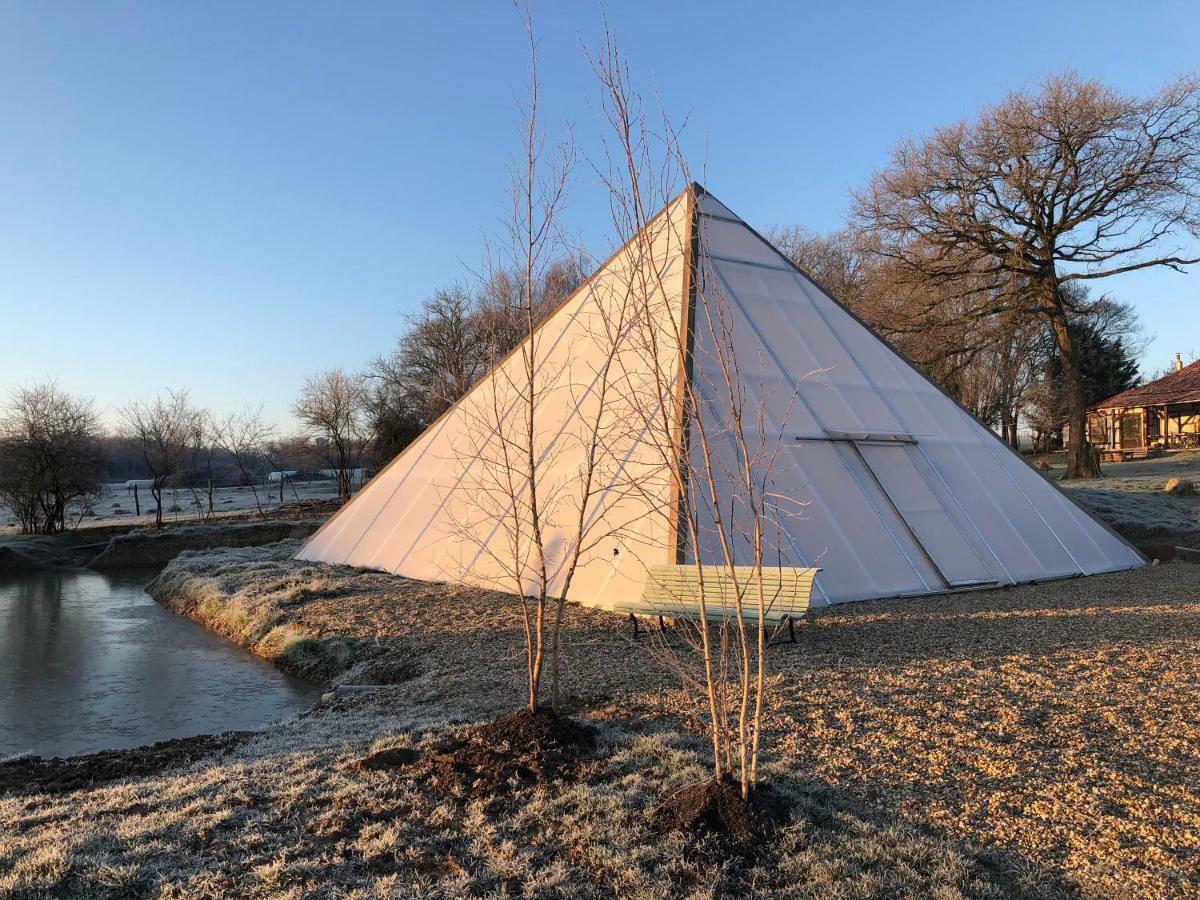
<point>851,436</point>
<point>746,262</point>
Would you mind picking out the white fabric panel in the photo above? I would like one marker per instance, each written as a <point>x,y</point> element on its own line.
<point>711,206</point>
<point>980,512</point>
<point>438,511</point>
<point>924,513</point>
<point>802,349</point>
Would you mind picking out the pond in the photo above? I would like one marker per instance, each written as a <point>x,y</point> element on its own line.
<point>89,662</point>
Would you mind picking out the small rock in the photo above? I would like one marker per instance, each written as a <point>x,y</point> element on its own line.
<point>1180,486</point>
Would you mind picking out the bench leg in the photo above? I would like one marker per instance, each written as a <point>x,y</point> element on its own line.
<point>634,620</point>
<point>662,626</point>
<point>791,627</point>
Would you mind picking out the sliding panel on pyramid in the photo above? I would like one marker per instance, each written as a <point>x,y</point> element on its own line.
<point>824,383</point>
<point>439,511</point>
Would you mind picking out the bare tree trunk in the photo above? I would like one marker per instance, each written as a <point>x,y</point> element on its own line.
<point>1009,428</point>
<point>1082,461</point>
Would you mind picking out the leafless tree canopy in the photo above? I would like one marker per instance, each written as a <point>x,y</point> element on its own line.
<point>49,456</point>
<point>836,261</point>
<point>244,437</point>
<point>1072,183</point>
<point>456,338</point>
<point>165,430</point>
<point>336,408</point>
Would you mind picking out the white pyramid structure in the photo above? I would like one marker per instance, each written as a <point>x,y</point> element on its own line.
<point>896,489</point>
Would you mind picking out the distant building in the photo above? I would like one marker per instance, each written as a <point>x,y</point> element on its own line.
<point>281,476</point>
<point>356,476</point>
<point>1162,414</point>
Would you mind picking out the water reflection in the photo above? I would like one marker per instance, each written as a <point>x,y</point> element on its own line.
<point>88,661</point>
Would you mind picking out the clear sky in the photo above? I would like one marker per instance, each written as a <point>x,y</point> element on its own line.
<point>228,196</point>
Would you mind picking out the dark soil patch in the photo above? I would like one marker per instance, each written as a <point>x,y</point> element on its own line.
<point>716,807</point>
<point>392,758</point>
<point>35,774</point>
<point>536,732</point>
<point>500,756</point>
<point>1166,550</point>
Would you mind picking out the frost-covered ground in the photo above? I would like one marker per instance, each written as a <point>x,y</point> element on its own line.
<point>1040,740</point>
<point>116,506</point>
<point>290,815</point>
<point>1130,498</point>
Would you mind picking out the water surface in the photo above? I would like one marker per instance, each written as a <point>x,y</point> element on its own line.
<point>89,662</point>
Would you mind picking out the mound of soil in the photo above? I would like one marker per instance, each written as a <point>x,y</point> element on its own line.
<point>544,730</point>
<point>391,758</point>
<point>499,756</point>
<point>388,670</point>
<point>35,774</point>
<point>716,807</point>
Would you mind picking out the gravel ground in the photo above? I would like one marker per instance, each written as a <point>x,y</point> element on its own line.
<point>1041,740</point>
<point>1057,721</point>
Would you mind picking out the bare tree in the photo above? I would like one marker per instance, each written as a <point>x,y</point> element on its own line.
<point>244,437</point>
<point>165,431</point>
<point>453,342</point>
<point>1073,183</point>
<point>49,456</point>
<point>336,408</point>
<point>203,468</point>
<point>711,443</point>
<point>442,354</point>
<point>1107,341</point>
<point>504,298</point>
<point>519,480</point>
<point>836,261</point>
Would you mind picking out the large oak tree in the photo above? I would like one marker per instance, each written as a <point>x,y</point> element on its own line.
<point>1071,183</point>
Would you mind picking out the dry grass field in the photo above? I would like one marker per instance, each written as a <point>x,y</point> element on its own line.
<point>1036,741</point>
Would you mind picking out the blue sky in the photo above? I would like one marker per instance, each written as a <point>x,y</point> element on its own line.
<point>229,196</point>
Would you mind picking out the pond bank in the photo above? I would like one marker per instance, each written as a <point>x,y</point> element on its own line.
<point>89,662</point>
<point>146,548</point>
<point>338,624</point>
<point>112,548</point>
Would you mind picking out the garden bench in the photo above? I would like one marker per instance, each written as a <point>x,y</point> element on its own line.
<point>674,591</point>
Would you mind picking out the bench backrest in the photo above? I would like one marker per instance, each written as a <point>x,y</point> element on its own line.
<point>675,590</point>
